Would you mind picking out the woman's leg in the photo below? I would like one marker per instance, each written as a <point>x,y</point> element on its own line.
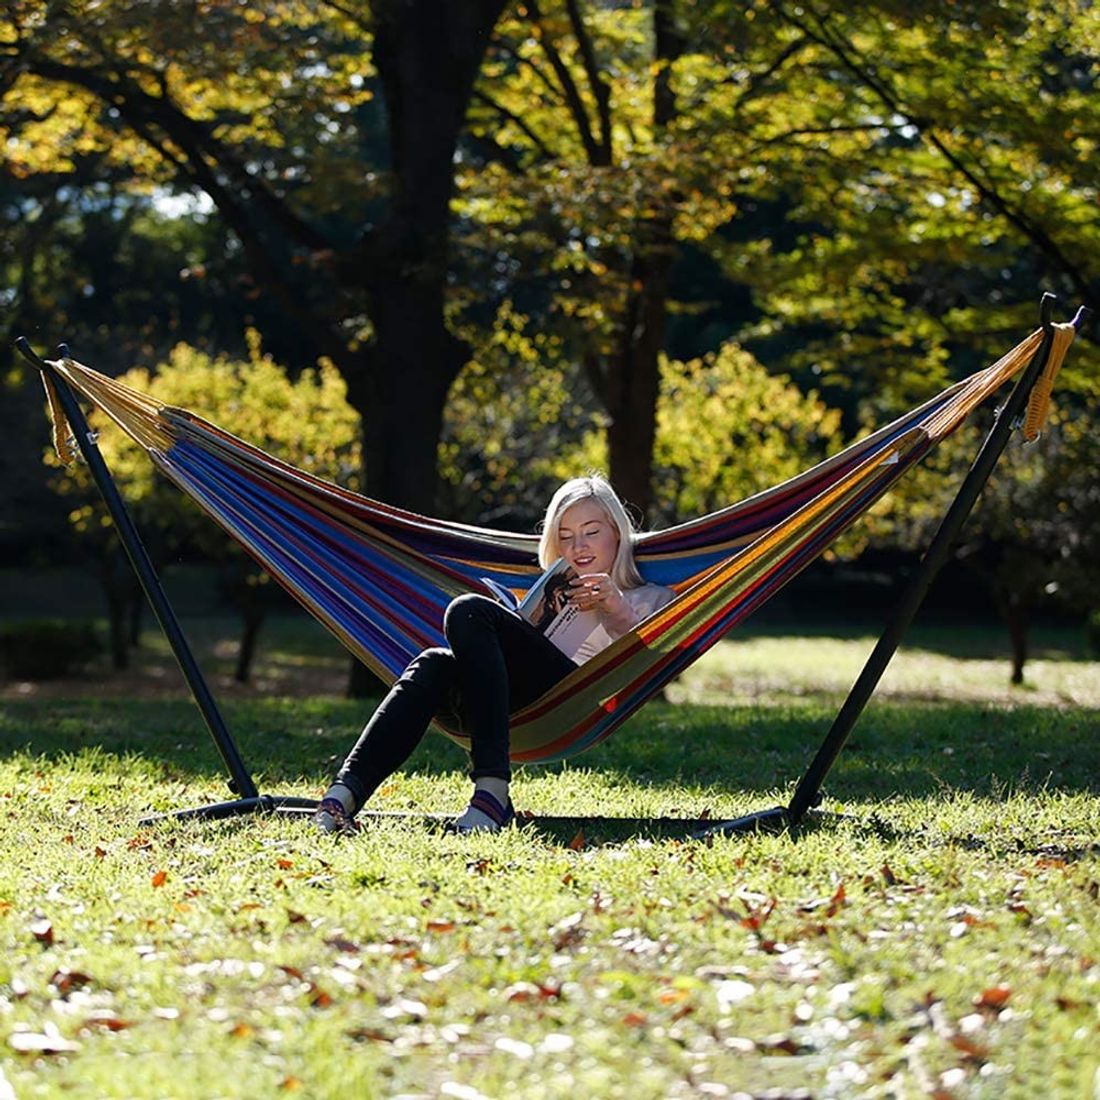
<point>423,690</point>
<point>502,663</point>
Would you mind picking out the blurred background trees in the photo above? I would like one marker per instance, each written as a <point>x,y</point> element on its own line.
<point>696,244</point>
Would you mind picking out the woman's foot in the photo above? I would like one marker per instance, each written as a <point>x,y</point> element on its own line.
<point>485,814</point>
<point>331,817</point>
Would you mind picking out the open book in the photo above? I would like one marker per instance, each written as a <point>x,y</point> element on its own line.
<point>546,606</point>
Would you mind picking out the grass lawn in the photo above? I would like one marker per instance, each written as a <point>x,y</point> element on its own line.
<point>934,933</point>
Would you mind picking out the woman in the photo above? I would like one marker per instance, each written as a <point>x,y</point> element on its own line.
<point>496,662</point>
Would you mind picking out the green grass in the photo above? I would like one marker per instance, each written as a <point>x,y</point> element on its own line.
<point>936,929</point>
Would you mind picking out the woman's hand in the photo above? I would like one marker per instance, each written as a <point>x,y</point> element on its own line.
<point>597,592</point>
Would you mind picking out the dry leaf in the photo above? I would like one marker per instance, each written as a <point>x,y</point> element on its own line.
<point>577,843</point>
<point>346,946</point>
<point>48,1041</point>
<point>996,997</point>
<point>65,980</point>
<point>441,926</point>
<point>567,931</point>
<point>42,930</point>
<point>107,1020</point>
<point>159,879</point>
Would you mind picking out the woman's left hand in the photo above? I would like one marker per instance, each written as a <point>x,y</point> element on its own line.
<point>597,592</point>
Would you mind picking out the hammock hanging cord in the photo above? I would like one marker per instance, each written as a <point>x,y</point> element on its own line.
<point>1038,406</point>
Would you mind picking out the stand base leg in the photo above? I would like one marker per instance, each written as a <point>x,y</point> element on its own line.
<point>775,820</point>
<point>264,803</point>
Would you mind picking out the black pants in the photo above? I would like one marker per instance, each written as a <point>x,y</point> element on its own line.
<point>496,662</point>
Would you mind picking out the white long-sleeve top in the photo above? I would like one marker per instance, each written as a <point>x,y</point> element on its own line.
<point>643,601</point>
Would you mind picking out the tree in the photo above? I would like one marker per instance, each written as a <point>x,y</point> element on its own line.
<point>577,111</point>
<point>269,112</point>
<point>307,422</point>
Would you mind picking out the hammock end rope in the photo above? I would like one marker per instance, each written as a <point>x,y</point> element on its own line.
<point>64,439</point>
<point>1038,406</point>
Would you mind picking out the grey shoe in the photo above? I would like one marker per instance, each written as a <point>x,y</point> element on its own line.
<point>331,817</point>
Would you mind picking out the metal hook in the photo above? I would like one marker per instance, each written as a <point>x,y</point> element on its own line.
<point>1046,309</point>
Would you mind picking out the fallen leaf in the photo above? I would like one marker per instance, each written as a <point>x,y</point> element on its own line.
<point>107,1020</point>
<point>577,843</point>
<point>159,879</point>
<point>65,980</point>
<point>516,1047</point>
<point>836,901</point>
<point>348,947</point>
<point>284,864</point>
<point>438,973</point>
<point>290,1084</point>
<point>241,1031</point>
<point>440,926</point>
<point>42,930</point>
<point>374,1034</point>
<point>672,996</point>
<point>635,1019</point>
<point>995,997</point>
<point>46,1042</point>
<point>784,1044</point>
<point>100,853</point>
<point>969,1047</point>
<point>567,931</point>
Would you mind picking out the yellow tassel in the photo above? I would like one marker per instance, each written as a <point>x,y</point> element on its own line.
<point>1038,405</point>
<point>63,441</point>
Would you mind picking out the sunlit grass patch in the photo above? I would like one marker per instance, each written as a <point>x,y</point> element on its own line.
<point>934,929</point>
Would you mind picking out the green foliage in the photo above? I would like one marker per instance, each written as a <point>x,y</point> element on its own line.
<point>47,649</point>
<point>521,419</point>
<point>515,420</point>
<point>727,428</point>
<point>307,422</point>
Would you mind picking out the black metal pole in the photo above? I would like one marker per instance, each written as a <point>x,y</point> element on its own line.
<point>807,791</point>
<point>241,782</point>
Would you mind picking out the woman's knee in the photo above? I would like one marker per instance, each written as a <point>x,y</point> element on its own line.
<point>471,611</point>
<point>432,669</point>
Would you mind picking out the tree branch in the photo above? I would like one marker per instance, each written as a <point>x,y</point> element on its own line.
<point>568,87</point>
<point>516,120</point>
<point>600,89</point>
<point>867,74</point>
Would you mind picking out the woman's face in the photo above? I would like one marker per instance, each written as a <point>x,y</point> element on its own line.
<point>587,538</point>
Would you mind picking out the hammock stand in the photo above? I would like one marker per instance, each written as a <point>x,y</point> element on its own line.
<point>807,794</point>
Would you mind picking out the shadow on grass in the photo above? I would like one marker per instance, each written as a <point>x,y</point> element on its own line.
<point>689,750</point>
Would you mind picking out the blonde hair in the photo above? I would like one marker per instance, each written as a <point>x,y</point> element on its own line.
<point>623,572</point>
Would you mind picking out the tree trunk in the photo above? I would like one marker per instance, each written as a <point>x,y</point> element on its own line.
<point>116,577</point>
<point>1017,620</point>
<point>253,619</point>
<point>632,385</point>
<point>428,53</point>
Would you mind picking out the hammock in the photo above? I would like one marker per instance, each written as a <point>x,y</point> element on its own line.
<point>379,577</point>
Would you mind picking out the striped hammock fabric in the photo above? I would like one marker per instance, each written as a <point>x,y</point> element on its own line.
<point>379,577</point>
